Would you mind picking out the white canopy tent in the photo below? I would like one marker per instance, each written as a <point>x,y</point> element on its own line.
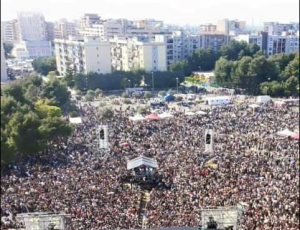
<point>201,113</point>
<point>165,115</point>
<point>141,161</point>
<point>190,114</point>
<point>137,117</point>
<point>286,133</point>
<point>75,120</point>
<point>254,106</point>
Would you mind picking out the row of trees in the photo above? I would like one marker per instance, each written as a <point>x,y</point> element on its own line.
<point>205,59</point>
<point>277,75</point>
<point>31,116</point>
<point>120,80</point>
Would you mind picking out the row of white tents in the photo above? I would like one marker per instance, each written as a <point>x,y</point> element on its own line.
<point>164,115</point>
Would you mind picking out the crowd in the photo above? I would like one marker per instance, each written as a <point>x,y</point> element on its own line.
<point>255,166</point>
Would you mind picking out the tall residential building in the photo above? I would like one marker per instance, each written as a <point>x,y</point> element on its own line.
<point>88,20</point>
<point>213,40</point>
<point>138,53</point>
<point>275,28</point>
<point>10,31</point>
<point>50,31</point>
<point>63,29</point>
<point>84,55</point>
<point>232,27</point>
<point>208,28</point>
<point>3,65</point>
<point>33,26</point>
<point>283,44</point>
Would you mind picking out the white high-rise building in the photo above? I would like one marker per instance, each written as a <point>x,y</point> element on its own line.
<point>10,31</point>
<point>282,44</point>
<point>63,29</point>
<point>138,53</point>
<point>3,65</point>
<point>233,27</point>
<point>276,28</point>
<point>33,26</point>
<point>84,55</point>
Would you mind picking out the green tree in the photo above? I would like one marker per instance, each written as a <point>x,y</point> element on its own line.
<point>98,93</point>
<point>44,110</point>
<point>44,65</point>
<point>57,93</point>
<point>292,69</point>
<point>291,86</point>
<point>70,76</point>
<point>148,95</point>
<point>223,72</point>
<point>7,46</point>
<point>91,93</point>
<point>106,113</point>
<point>203,60</point>
<point>125,95</point>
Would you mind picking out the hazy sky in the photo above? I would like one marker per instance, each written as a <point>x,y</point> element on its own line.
<point>192,12</point>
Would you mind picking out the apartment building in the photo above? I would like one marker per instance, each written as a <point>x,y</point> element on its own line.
<point>88,20</point>
<point>283,44</point>
<point>232,27</point>
<point>3,65</point>
<point>50,26</point>
<point>214,40</point>
<point>10,31</point>
<point>208,28</point>
<point>85,55</point>
<point>63,29</point>
<point>276,28</point>
<point>32,26</point>
<point>138,53</point>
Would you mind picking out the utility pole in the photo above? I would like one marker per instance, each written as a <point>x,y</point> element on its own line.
<point>177,79</point>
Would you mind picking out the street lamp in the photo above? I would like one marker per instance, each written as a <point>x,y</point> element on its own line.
<point>199,68</point>
<point>129,83</point>
<point>177,79</point>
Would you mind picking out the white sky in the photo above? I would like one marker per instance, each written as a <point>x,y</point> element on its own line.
<point>182,12</point>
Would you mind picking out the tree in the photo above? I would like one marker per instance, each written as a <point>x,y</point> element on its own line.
<point>80,82</point>
<point>148,95</point>
<point>44,110</point>
<point>69,76</point>
<point>237,50</point>
<point>292,69</point>
<point>106,113</point>
<point>57,93</point>
<point>136,95</point>
<point>125,95</point>
<point>32,93</point>
<point>223,72</point>
<point>16,91</point>
<point>44,65</point>
<point>98,93</point>
<point>203,60</point>
<point>24,135</point>
<point>7,46</point>
<point>53,128</point>
<point>291,86</point>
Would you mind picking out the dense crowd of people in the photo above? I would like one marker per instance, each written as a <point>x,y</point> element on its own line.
<point>255,167</point>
